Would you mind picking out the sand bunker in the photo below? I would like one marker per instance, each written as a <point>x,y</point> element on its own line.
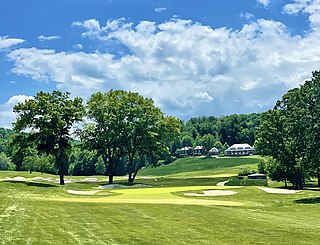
<point>43,179</point>
<point>211,193</point>
<point>278,191</point>
<point>222,183</point>
<point>19,178</point>
<point>83,192</point>
<point>90,180</point>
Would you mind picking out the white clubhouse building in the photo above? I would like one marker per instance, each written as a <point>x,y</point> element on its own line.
<point>240,150</point>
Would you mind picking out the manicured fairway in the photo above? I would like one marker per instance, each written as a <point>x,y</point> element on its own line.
<point>44,213</point>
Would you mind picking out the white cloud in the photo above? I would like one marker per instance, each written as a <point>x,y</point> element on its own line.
<point>48,38</point>
<point>7,116</point>
<point>309,7</point>
<point>265,3</point>
<point>7,43</point>
<point>187,68</point>
<point>160,9</point>
<point>78,46</point>
<point>247,16</point>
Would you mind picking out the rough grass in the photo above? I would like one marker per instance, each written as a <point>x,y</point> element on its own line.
<point>42,213</point>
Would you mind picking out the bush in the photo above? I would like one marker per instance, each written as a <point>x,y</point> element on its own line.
<point>236,181</point>
<point>245,171</point>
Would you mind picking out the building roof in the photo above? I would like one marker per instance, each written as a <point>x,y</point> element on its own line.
<point>186,148</point>
<point>198,147</point>
<point>240,147</point>
<point>257,175</point>
<point>214,150</point>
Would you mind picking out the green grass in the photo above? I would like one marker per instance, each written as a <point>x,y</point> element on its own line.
<point>201,166</point>
<point>43,213</point>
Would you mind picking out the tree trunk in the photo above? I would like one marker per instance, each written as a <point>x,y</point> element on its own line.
<point>130,179</point>
<point>300,184</point>
<point>132,176</point>
<point>61,179</point>
<point>318,179</point>
<point>285,183</point>
<point>110,178</point>
<point>135,174</point>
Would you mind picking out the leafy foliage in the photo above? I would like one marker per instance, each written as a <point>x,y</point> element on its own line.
<point>127,127</point>
<point>290,134</point>
<point>5,162</point>
<point>212,131</point>
<point>49,118</point>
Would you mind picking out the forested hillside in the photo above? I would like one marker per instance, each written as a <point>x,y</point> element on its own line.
<point>220,132</point>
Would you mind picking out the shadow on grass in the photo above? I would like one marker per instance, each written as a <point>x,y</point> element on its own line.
<point>30,183</point>
<point>311,200</point>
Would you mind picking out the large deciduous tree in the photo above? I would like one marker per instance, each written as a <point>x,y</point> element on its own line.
<point>127,125</point>
<point>49,118</point>
<point>106,133</point>
<point>290,133</point>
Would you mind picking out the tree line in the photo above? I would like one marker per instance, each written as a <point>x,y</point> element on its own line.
<point>123,132</point>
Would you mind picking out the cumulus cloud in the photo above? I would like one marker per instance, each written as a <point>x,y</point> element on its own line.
<point>48,38</point>
<point>188,68</point>
<point>309,7</point>
<point>265,3</point>
<point>7,116</point>
<point>160,9</point>
<point>7,43</point>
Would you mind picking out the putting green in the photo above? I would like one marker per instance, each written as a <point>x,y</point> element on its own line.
<point>152,196</point>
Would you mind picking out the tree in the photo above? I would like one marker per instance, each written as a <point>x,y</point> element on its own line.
<point>126,126</point>
<point>107,132</point>
<point>207,141</point>
<point>149,137</point>
<point>50,117</point>
<point>187,141</point>
<point>5,162</point>
<point>274,139</point>
<point>286,134</point>
<point>100,167</point>
<point>4,138</point>
<point>18,148</point>
<point>310,94</point>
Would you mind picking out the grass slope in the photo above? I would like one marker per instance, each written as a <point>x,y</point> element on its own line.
<point>44,213</point>
<point>201,166</point>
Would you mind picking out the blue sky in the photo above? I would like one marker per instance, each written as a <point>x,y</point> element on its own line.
<point>208,57</point>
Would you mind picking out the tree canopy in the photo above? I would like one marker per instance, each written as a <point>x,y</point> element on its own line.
<point>49,118</point>
<point>126,125</point>
<point>290,133</point>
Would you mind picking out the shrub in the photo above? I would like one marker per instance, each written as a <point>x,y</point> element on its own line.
<point>245,171</point>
